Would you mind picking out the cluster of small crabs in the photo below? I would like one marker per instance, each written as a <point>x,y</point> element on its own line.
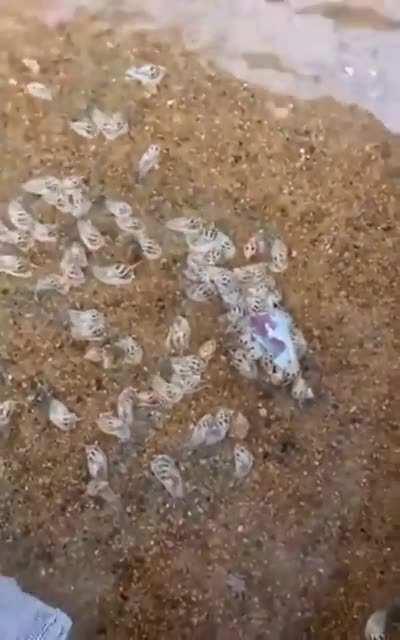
<point>146,409</point>
<point>264,343</point>
<point>70,196</point>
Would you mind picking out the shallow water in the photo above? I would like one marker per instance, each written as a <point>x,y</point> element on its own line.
<point>348,50</point>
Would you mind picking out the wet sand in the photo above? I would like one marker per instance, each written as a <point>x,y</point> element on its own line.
<point>313,530</point>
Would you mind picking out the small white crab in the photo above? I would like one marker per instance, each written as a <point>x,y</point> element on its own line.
<point>259,304</point>
<point>187,383</point>
<point>165,470</point>
<point>84,128</point>
<point>132,350</point>
<point>208,349</point>
<point>223,417</point>
<point>116,275</point>
<point>90,235</point>
<point>114,426</point>
<point>149,399</point>
<point>196,269</point>
<point>244,461</point>
<point>20,239</point>
<point>70,197</point>
<point>149,247</point>
<point>44,232</point>
<point>131,225</point>
<point>205,432</point>
<point>279,256</point>
<point>226,285</point>
<point>19,216</point>
<point>87,325</point>
<point>213,245</point>
<point>301,391</point>
<point>51,282</point>
<point>96,462</point>
<point>73,182</point>
<point>6,410</point>
<point>111,125</point>
<point>149,160</point>
<point>255,246</point>
<point>200,291</point>
<point>75,254</point>
<point>210,429</point>
<point>125,405</point>
<point>150,75</point>
<point>187,225</point>
<point>14,266</point>
<point>187,365</point>
<point>168,392</point>
<point>244,364</point>
<point>253,274</point>
<point>71,264</point>
<point>246,341</point>
<point>60,416</point>
<point>375,629</point>
<point>118,207</point>
<point>178,338</point>
<point>262,244</point>
<point>42,186</point>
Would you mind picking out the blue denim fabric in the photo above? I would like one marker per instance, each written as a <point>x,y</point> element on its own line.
<point>24,617</point>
